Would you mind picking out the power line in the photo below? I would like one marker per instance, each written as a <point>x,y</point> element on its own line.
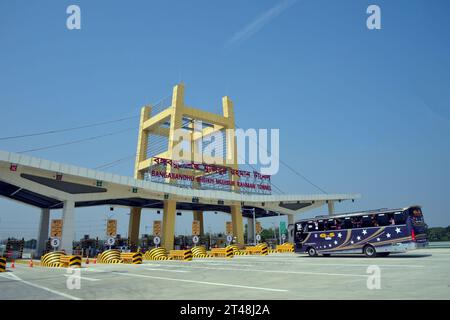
<point>76,141</point>
<point>113,163</point>
<point>67,129</point>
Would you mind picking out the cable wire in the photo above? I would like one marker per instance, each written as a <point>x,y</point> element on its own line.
<point>67,129</point>
<point>76,141</point>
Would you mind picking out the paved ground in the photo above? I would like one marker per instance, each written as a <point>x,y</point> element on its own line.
<point>422,274</point>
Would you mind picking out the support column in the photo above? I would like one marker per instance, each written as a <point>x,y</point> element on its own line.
<point>68,228</point>
<point>198,215</point>
<point>168,232</point>
<point>44,223</point>
<point>250,230</point>
<point>330,207</point>
<point>133,226</point>
<point>236,221</point>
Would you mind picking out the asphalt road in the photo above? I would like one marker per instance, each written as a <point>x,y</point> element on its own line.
<point>421,274</point>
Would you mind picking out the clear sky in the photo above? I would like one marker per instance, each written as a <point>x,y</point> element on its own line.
<point>364,111</point>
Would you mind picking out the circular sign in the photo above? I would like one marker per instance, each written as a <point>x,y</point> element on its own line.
<point>156,240</point>
<point>195,239</point>
<point>54,242</point>
<point>258,237</point>
<point>229,238</point>
<point>283,236</point>
<point>110,241</point>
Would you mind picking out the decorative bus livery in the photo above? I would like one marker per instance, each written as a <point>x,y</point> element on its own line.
<point>373,233</point>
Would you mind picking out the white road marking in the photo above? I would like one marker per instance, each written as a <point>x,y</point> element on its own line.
<point>83,278</point>
<point>272,271</point>
<point>16,278</point>
<point>160,269</point>
<point>204,282</point>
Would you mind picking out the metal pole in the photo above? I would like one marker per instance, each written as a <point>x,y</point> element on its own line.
<point>279,229</point>
<point>254,227</point>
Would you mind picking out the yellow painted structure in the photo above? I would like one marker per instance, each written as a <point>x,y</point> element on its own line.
<point>174,115</point>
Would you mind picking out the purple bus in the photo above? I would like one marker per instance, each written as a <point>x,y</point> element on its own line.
<point>372,233</point>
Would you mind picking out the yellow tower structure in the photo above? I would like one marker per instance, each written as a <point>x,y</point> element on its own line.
<point>168,123</point>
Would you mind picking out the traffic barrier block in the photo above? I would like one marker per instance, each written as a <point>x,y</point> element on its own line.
<point>222,252</point>
<point>200,252</point>
<point>109,256</point>
<point>285,247</point>
<point>70,261</point>
<point>159,253</point>
<point>260,249</point>
<point>185,255</point>
<point>236,250</point>
<point>131,257</point>
<point>52,259</point>
<point>2,264</point>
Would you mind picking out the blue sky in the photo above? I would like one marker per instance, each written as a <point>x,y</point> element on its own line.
<point>358,110</point>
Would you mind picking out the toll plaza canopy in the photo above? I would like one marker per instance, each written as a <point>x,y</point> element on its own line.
<point>51,185</point>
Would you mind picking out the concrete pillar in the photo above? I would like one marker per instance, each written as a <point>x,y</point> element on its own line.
<point>133,225</point>
<point>168,232</point>
<point>330,208</point>
<point>44,223</point>
<point>291,220</point>
<point>198,215</point>
<point>68,227</point>
<point>236,221</point>
<point>250,230</point>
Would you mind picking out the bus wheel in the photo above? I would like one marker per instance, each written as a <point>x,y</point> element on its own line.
<point>312,252</point>
<point>369,251</point>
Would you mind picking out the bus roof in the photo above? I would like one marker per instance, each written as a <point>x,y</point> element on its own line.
<point>358,213</point>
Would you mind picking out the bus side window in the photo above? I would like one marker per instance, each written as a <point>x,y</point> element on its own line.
<point>348,223</point>
<point>400,217</point>
<point>382,219</point>
<point>366,222</point>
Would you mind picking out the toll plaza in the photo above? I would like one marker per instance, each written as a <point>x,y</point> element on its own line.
<point>165,266</point>
<point>161,180</point>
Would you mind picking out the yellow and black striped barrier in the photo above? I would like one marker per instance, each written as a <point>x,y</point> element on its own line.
<point>131,257</point>
<point>70,261</point>
<point>109,256</point>
<point>285,247</point>
<point>222,252</point>
<point>236,250</point>
<point>200,252</point>
<point>159,253</point>
<point>264,249</point>
<point>52,259</point>
<point>185,255</point>
<point>2,264</point>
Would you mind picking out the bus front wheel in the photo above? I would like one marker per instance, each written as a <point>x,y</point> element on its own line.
<point>312,252</point>
<point>369,251</point>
